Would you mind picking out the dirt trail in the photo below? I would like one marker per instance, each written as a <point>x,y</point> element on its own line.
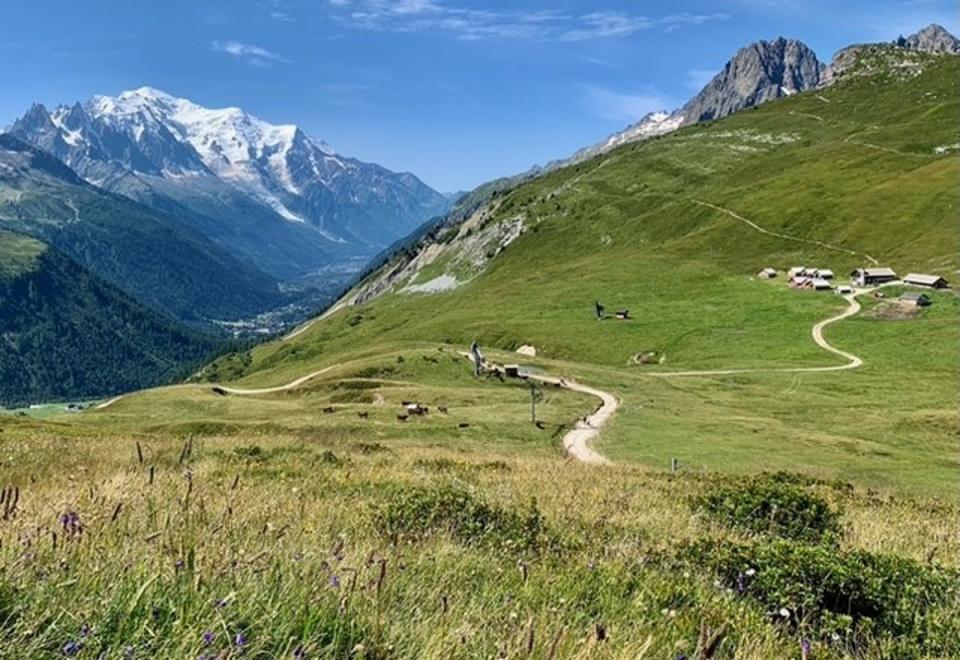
<point>577,441</point>
<point>797,239</point>
<point>309,324</point>
<point>853,361</point>
<point>279,388</point>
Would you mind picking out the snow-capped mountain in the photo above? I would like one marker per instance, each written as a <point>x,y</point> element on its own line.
<point>651,125</point>
<point>155,147</point>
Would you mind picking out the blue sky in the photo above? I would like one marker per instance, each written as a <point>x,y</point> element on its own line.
<point>456,91</point>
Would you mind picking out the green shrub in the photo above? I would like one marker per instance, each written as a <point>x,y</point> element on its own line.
<point>253,453</point>
<point>418,513</point>
<point>770,504</point>
<point>847,596</point>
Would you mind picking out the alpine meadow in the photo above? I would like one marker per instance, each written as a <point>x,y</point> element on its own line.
<point>688,393</point>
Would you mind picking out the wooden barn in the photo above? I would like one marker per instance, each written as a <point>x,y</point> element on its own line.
<point>913,299</point>
<point>929,281</point>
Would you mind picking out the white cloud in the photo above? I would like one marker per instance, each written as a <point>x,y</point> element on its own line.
<point>630,107</point>
<point>603,24</point>
<point>247,52</point>
<point>475,24</point>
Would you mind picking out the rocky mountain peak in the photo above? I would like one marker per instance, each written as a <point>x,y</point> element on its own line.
<point>762,71</point>
<point>37,118</point>
<point>931,39</point>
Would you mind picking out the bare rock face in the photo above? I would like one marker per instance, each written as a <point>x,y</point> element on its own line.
<point>761,72</point>
<point>931,39</point>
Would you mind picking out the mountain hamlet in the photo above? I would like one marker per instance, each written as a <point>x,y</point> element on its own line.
<point>688,393</point>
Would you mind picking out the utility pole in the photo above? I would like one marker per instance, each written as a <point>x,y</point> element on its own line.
<point>533,402</point>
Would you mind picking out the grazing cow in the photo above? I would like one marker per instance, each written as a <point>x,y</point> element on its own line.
<point>329,410</point>
<point>402,418</point>
<point>363,414</point>
<point>463,425</point>
<point>443,409</point>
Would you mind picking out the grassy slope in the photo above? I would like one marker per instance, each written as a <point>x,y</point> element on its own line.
<point>624,229</point>
<point>18,254</point>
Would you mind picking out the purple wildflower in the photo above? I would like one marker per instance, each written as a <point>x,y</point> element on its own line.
<point>741,583</point>
<point>221,603</point>
<point>334,582</point>
<point>681,656</point>
<point>70,521</point>
<point>178,565</point>
<point>299,653</point>
<point>208,638</point>
<point>806,648</point>
<point>240,640</point>
<point>72,648</point>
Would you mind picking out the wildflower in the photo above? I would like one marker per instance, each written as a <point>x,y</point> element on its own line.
<point>805,649</point>
<point>85,630</point>
<point>784,612</point>
<point>240,640</point>
<point>741,583</point>
<point>72,648</point>
<point>299,653</point>
<point>334,582</point>
<point>208,637</point>
<point>221,603</point>
<point>128,653</point>
<point>750,572</point>
<point>70,521</point>
<point>681,656</point>
<point>178,565</point>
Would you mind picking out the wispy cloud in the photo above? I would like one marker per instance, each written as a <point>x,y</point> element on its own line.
<point>629,107</point>
<point>247,52</point>
<point>475,24</point>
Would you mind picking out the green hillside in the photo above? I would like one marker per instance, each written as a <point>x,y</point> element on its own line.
<point>66,333</point>
<point>155,258</point>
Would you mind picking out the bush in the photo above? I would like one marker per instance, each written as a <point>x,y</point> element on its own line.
<point>770,504</point>
<point>844,595</point>
<point>419,513</point>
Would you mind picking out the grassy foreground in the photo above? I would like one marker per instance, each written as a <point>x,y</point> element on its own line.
<point>282,546</point>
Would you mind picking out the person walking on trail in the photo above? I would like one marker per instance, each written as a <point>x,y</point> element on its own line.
<point>477,358</point>
<point>599,308</point>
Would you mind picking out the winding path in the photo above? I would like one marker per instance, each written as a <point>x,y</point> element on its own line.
<point>853,361</point>
<point>577,440</point>
<point>755,226</point>
<point>279,388</point>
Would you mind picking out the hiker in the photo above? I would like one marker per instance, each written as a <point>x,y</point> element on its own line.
<point>477,358</point>
<point>599,308</point>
